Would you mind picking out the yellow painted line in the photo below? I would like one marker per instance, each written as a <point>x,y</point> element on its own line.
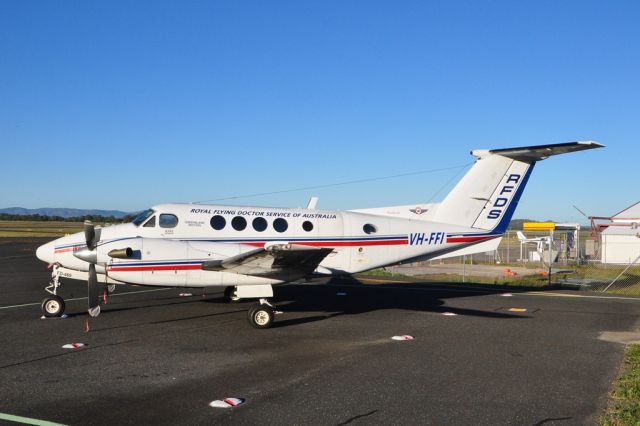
<point>578,296</point>
<point>542,293</point>
<point>375,280</point>
<point>517,310</point>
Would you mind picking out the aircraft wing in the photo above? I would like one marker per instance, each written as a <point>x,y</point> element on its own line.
<point>272,261</point>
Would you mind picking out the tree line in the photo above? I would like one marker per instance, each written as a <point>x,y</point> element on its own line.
<point>45,218</point>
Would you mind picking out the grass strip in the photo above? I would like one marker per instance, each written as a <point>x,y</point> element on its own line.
<point>624,401</point>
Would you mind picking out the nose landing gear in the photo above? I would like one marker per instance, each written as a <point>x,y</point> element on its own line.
<point>53,306</point>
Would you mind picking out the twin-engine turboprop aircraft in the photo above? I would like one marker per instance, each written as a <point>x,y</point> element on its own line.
<point>247,250</point>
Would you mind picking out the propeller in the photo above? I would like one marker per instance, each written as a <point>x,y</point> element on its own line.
<point>91,235</point>
<point>89,254</point>
<point>93,288</point>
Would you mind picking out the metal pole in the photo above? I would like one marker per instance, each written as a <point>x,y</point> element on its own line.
<point>521,255</point>
<point>550,253</point>
<point>464,267</point>
<point>577,242</point>
<point>508,244</point>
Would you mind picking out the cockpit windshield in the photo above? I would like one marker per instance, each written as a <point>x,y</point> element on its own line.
<point>142,217</point>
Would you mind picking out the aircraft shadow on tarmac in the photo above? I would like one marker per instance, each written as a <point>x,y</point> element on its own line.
<point>339,296</point>
<point>351,297</point>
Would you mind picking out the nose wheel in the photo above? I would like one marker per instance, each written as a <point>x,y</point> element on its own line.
<point>261,315</point>
<point>52,306</point>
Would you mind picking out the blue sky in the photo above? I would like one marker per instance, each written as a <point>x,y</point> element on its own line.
<point>122,105</point>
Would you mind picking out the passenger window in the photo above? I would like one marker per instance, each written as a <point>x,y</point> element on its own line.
<point>369,229</point>
<point>307,226</point>
<point>151,223</point>
<point>168,220</point>
<point>218,222</point>
<point>239,223</point>
<point>259,224</point>
<point>280,224</point>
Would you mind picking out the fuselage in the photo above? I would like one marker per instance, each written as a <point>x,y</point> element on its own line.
<point>360,241</point>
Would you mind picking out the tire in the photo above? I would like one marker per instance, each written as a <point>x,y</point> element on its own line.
<point>52,306</point>
<point>261,316</point>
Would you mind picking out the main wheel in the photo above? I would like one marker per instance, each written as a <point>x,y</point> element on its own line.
<point>261,316</point>
<point>52,306</point>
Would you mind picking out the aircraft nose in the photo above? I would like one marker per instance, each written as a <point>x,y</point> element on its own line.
<point>46,252</point>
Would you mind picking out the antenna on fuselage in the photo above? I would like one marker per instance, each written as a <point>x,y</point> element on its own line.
<point>311,205</point>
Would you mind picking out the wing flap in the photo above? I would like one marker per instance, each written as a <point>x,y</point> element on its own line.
<point>275,260</point>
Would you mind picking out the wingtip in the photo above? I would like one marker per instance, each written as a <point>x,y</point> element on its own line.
<point>594,144</point>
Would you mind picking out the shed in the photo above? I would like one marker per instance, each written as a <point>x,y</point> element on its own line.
<point>620,241</point>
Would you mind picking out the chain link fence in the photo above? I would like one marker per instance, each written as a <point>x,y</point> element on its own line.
<point>568,259</point>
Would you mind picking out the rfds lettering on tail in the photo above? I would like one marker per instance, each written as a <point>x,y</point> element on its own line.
<point>502,200</point>
<point>421,238</point>
<point>245,251</point>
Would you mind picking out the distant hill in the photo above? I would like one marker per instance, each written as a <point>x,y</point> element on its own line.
<point>63,212</point>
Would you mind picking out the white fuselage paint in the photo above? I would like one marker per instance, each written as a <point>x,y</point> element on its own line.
<point>173,256</point>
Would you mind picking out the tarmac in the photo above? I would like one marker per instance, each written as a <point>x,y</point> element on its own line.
<point>154,357</point>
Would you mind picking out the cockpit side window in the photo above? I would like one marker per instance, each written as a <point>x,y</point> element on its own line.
<point>168,220</point>
<point>151,223</point>
<point>142,217</point>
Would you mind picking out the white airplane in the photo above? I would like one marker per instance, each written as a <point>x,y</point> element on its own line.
<point>541,243</point>
<point>247,250</point>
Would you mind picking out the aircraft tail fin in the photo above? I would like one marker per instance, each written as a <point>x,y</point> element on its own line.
<point>486,197</point>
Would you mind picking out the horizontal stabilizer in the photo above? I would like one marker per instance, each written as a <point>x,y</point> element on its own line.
<point>539,152</point>
<point>488,194</point>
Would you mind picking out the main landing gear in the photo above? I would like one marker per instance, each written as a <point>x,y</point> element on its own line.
<point>53,305</point>
<point>261,315</point>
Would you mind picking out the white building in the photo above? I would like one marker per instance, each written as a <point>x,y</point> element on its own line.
<point>620,242</point>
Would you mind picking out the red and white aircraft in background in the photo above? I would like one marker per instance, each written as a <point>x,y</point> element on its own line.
<point>247,250</point>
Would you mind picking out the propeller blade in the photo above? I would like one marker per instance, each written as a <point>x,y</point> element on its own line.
<point>94,291</point>
<point>91,234</point>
